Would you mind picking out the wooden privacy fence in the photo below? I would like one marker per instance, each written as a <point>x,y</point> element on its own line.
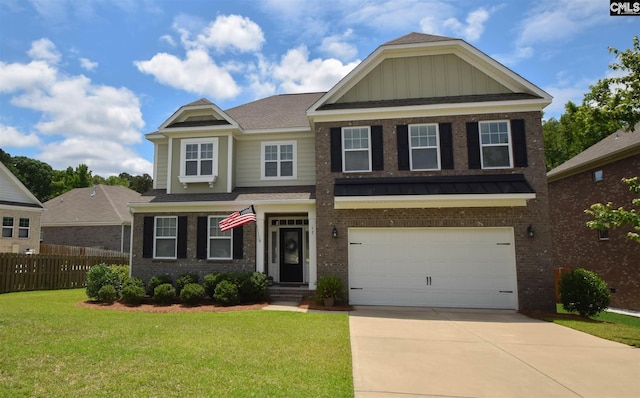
<point>22,272</point>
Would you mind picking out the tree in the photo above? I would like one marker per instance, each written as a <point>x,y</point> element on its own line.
<point>140,184</point>
<point>35,175</point>
<point>606,217</point>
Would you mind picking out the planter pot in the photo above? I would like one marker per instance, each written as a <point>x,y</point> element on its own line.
<point>328,301</point>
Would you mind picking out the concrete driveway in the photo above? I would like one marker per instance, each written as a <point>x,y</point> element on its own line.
<point>426,352</point>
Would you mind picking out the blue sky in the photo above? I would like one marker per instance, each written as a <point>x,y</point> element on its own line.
<point>82,81</point>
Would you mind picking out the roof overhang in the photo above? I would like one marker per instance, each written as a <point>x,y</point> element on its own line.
<point>432,201</point>
<point>290,205</point>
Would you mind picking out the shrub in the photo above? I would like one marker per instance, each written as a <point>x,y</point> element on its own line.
<point>133,291</point>
<point>191,293</point>
<point>107,294</point>
<point>584,292</point>
<point>185,279</point>
<point>211,282</point>
<point>164,293</point>
<point>99,276</point>
<point>156,281</point>
<point>329,287</point>
<point>253,288</point>
<point>226,293</point>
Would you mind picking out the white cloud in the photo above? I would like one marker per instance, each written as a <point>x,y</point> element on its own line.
<point>88,64</point>
<point>169,40</point>
<point>337,46</point>
<point>44,50</point>
<point>197,73</point>
<point>11,137</point>
<point>231,32</point>
<point>474,26</point>
<point>31,76</point>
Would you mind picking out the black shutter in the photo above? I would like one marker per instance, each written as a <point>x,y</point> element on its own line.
<point>446,146</point>
<point>519,143</point>
<point>473,145</point>
<point>203,235</point>
<point>336,149</point>
<point>182,237</point>
<point>147,237</point>
<point>402,138</point>
<point>377,151</point>
<point>238,243</point>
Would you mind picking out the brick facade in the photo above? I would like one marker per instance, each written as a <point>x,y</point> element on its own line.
<point>616,260</point>
<point>108,237</point>
<point>533,255</point>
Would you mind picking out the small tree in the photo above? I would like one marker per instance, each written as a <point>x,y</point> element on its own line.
<point>584,292</point>
<point>605,216</point>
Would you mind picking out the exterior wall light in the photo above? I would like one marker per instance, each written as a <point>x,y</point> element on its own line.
<point>530,231</point>
<point>334,233</point>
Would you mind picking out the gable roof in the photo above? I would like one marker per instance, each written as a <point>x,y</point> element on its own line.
<point>414,37</point>
<point>13,192</point>
<point>99,205</point>
<point>618,145</point>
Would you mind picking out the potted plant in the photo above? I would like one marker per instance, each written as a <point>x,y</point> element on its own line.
<point>329,290</point>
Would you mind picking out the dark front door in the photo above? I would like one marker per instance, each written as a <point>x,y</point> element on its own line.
<point>291,255</point>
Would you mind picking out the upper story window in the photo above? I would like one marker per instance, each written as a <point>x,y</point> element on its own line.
<point>165,237</point>
<point>598,175</point>
<point>356,149</point>
<point>7,227</point>
<point>495,145</point>
<point>424,147</point>
<point>199,160</point>
<point>23,228</point>
<point>278,160</point>
<point>220,243</point>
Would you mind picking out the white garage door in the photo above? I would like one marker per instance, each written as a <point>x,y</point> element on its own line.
<point>433,267</point>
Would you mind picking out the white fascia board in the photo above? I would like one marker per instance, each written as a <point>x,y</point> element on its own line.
<point>467,108</point>
<point>23,208</point>
<point>277,131</point>
<point>191,207</point>
<point>275,135</point>
<point>198,131</point>
<point>432,201</point>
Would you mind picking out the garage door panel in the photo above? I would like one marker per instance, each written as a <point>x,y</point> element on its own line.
<point>441,267</point>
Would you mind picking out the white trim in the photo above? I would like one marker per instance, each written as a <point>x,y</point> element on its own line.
<point>155,165</point>
<point>208,178</point>
<point>286,130</point>
<point>155,238</point>
<point>437,147</point>
<point>279,161</point>
<point>20,185</point>
<point>169,164</point>
<point>227,237</point>
<point>217,111</point>
<point>230,163</point>
<point>344,150</point>
<point>432,201</point>
<point>285,206</point>
<point>509,144</point>
<point>28,228</point>
<point>12,226</point>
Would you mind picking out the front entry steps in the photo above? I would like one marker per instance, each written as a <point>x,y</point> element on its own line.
<point>284,293</point>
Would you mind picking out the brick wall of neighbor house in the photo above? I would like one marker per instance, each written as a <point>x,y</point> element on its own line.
<point>616,260</point>
<point>107,237</point>
<point>145,268</point>
<point>20,245</point>
<point>533,256</point>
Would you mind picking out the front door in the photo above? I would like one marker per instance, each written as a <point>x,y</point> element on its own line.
<point>291,259</point>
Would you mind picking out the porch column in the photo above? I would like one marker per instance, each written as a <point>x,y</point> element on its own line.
<point>259,240</point>
<point>313,265</point>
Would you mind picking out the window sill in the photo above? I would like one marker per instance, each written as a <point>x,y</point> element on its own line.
<point>186,180</point>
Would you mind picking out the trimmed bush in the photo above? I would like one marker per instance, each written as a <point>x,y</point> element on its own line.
<point>185,279</point>
<point>99,276</point>
<point>226,293</point>
<point>211,282</point>
<point>133,292</point>
<point>156,281</point>
<point>191,293</point>
<point>584,292</point>
<point>107,294</point>
<point>329,287</point>
<point>253,288</point>
<point>164,294</point>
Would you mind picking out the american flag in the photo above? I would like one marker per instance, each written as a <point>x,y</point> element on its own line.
<point>238,218</point>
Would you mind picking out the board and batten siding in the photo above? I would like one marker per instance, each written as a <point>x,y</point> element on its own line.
<point>161,166</point>
<point>248,159</point>
<point>423,77</point>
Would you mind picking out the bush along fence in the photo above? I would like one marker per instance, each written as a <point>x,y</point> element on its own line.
<point>23,272</point>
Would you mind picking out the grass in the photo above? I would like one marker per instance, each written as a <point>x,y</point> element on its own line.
<point>616,327</point>
<point>51,347</point>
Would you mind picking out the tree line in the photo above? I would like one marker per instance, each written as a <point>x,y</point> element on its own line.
<point>46,183</point>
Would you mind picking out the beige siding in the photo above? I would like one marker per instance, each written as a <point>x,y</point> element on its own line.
<point>161,165</point>
<point>220,185</point>
<point>16,244</point>
<point>422,77</point>
<point>248,158</point>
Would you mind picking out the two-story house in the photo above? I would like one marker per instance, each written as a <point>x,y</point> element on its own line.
<point>419,179</point>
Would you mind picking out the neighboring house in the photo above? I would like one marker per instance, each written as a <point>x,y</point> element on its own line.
<point>418,179</point>
<point>595,176</point>
<point>95,217</point>
<point>20,212</point>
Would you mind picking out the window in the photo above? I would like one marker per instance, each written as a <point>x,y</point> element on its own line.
<point>356,149</point>
<point>424,143</point>
<point>198,160</point>
<point>165,237</point>
<point>278,160</point>
<point>23,228</point>
<point>598,175</point>
<point>220,243</point>
<point>7,227</point>
<point>495,145</point>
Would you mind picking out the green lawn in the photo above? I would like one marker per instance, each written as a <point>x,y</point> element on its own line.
<point>49,347</point>
<point>621,328</point>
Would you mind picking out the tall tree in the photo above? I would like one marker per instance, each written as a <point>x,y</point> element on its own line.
<point>35,175</point>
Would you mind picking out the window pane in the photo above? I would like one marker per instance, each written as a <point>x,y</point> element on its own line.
<point>356,161</point>
<point>7,221</point>
<point>271,169</point>
<point>286,152</point>
<point>23,233</point>
<point>271,152</point>
<point>206,168</point>
<point>206,151</point>
<point>213,227</point>
<point>24,222</point>
<point>165,248</point>
<point>495,156</point>
<point>166,227</point>
<point>220,248</point>
<point>191,168</point>
<point>286,169</point>
<point>424,159</point>
<point>7,232</point>
<point>191,151</point>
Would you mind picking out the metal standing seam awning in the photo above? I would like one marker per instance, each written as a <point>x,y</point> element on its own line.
<point>495,190</point>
